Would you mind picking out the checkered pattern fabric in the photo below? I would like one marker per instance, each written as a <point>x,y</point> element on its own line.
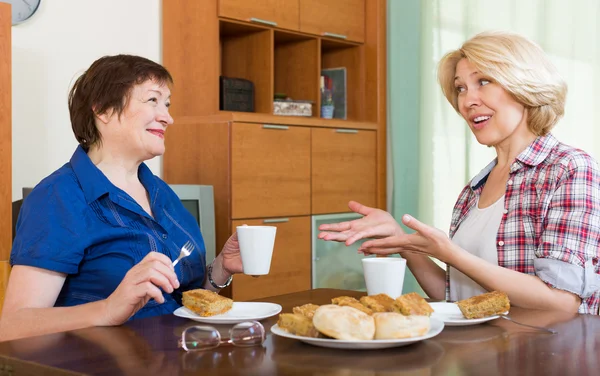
<point>552,211</point>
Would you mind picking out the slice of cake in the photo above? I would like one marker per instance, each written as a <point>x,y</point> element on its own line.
<point>488,304</point>
<point>379,303</point>
<point>413,304</point>
<point>297,324</point>
<point>347,301</point>
<point>205,302</point>
<point>307,310</point>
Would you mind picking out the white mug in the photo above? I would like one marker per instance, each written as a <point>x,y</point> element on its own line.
<point>384,275</point>
<point>256,248</point>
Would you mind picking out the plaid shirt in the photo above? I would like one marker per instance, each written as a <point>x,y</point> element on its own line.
<point>551,217</point>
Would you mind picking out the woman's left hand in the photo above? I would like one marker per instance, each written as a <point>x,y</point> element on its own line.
<point>426,240</point>
<point>232,261</point>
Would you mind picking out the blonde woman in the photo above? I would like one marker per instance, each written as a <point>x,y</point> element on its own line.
<point>529,223</point>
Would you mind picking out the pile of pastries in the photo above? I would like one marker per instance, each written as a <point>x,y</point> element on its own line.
<point>372,317</point>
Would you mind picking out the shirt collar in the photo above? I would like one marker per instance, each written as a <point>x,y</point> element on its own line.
<point>95,184</point>
<point>533,155</point>
<point>538,150</point>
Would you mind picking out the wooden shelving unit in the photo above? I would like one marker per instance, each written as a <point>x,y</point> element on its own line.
<point>269,168</point>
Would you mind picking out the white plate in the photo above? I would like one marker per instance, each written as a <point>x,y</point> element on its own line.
<point>434,330</point>
<point>451,315</point>
<point>239,312</point>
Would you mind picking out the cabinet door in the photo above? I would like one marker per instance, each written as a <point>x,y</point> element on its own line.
<point>270,171</point>
<point>343,169</point>
<point>341,18</point>
<point>290,264</point>
<point>284,13</point>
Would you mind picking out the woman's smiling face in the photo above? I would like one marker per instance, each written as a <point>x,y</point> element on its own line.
<point>490,111</point>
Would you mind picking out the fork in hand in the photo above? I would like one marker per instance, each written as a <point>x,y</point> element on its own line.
<point>186,250</point>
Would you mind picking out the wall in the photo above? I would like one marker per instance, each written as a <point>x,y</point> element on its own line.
<point>404,75</point>
<point>49,51</point>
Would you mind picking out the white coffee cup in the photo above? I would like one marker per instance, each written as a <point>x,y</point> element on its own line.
<point>384,275</point>
<point>256,248</point>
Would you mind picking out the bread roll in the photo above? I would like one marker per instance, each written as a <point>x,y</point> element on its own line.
<point>392,325</point>
<point>344,323</point>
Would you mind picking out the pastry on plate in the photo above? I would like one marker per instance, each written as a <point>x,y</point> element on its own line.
<point>347,301</point>
<point>345,323</point>
<point>413,304</point>
<point>297,324</point>
<point>488,304</point>
<point>379,303</point>
<point>307,310</point>
<point>206,303</point>
<point>392,325</point>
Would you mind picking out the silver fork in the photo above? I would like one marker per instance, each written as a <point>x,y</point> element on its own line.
<point>186,250</point>
<point>552,331</point>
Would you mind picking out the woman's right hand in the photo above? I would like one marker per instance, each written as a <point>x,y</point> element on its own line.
<point>375,223</point>
<point>141,283</point>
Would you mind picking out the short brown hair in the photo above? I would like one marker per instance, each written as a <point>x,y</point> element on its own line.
<point>517,64</point>
<point>106,86</point>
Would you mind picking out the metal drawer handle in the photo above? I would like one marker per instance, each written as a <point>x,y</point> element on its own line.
<point>352,131</point>
<point>334,35</point>
<point>276,220</point>
<point>280,127</point>
<point>265,22</point>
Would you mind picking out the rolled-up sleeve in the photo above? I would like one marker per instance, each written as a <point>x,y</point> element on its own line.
<point>568,253</point>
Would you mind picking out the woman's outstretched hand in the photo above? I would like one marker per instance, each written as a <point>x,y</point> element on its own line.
<point>375,223</point>
<point>426,240</point>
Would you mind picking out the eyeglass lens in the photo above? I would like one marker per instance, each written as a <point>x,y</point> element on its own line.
<point>244,334</point>
<point>250,333</point>
<point>201,338</point>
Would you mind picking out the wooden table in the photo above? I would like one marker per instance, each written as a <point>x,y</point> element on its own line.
<point>149,347</point>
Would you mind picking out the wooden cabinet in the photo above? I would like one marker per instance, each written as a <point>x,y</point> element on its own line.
<point>281,13</point>
<point>270,170</point>
<point>290,265</point>
<point>343,169</point>
<point>263,166</point>
<point>343,19</point>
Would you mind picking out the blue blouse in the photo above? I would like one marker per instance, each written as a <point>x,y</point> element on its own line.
<point>77,222</point>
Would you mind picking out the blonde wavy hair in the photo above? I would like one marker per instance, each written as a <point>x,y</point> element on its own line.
<point>517,64</point>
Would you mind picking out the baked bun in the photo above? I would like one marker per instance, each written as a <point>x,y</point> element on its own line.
<point>392,325</point>
<point>342,322</point>
<point>205,302</point>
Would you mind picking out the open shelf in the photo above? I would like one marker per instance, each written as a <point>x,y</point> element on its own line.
<point>338,54</point>
<point>246,52</point>
<point>296,68</point>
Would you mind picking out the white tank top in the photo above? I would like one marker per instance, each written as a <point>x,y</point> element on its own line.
<point>477,235</point>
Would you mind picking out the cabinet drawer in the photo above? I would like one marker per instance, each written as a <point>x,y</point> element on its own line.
<point>342,18</point>
<point>270,171</point>
<point>281,13</point>
<point>343,169</point>
<point>290,265</point>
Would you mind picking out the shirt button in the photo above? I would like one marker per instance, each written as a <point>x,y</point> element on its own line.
<point>453,228</point>
<point>505,211</point>
<point>500,243</point>
<point>515,165</point>
<point>165,236</point>
<point>510,182</point>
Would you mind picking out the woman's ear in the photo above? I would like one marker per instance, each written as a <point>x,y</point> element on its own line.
<point>103,117</point>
